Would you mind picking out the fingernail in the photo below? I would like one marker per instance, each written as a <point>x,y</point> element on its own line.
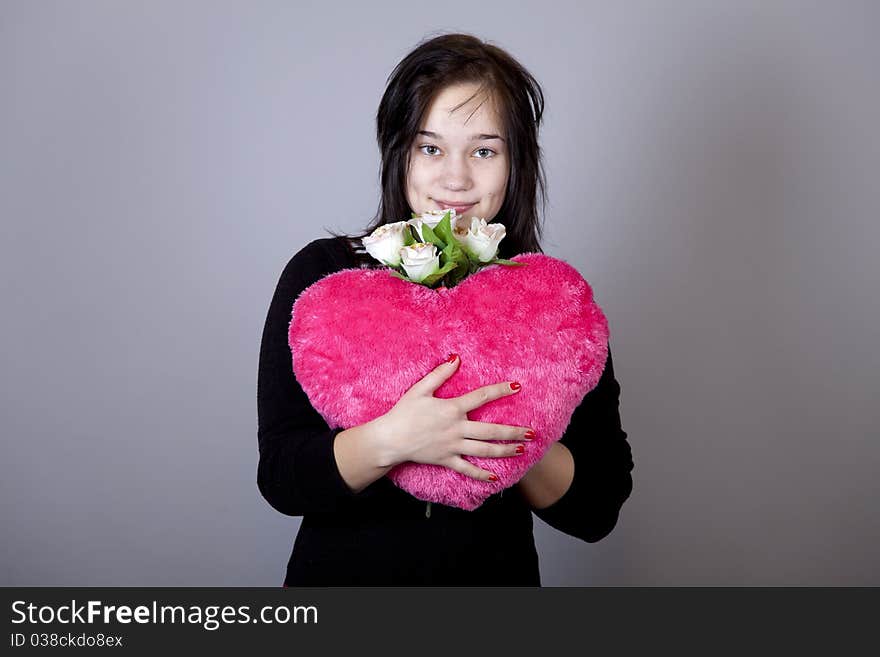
<point>493,478</point>
<point>451,358</point>
<point>515,385</point>
<point>520,449</point>
<point>530,434</point>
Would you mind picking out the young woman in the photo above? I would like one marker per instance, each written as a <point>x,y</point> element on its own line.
<point>457,128</point>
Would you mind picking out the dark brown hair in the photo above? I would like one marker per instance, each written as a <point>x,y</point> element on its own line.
<point>433,65</point>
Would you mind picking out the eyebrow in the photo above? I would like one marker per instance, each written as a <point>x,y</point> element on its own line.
<point>480,137</point>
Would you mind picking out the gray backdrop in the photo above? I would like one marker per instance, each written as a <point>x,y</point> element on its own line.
<point>713,172</point>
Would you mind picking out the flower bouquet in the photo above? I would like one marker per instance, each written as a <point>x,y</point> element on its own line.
<point>437,247</point>
<point>360,338</point>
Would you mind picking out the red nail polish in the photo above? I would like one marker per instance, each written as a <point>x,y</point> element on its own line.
<point>515,385</point>
<point>530,434</point>
<point>451,358</point>
<point>520,449</point>
<point>493,478</point>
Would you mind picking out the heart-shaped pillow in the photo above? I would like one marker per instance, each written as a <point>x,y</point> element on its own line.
<point>360,338</point>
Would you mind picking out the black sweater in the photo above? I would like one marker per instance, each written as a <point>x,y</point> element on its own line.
<point>383,535</point>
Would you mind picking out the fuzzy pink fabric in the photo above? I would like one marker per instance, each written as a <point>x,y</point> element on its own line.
<point>361,338</point>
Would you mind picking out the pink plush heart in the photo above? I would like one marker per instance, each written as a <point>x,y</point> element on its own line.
<point>360,338</point>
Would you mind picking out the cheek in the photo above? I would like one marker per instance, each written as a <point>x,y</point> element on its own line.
<point>499,180</point>
<point>499,188</point>
<point>416,180</point>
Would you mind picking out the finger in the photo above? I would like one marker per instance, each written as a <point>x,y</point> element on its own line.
<point>437,377</point>
<point>490,431</point>
<point>467,468</point>
<point>476,398</point>
<point>491,450</point>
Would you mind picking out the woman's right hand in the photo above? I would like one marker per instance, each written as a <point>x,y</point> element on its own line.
<point>423,428</point>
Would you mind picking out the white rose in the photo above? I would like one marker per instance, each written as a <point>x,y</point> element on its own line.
<point>479,239</point>
<point>385,242</point>
<point>420,260</point>
<point>432,218</point>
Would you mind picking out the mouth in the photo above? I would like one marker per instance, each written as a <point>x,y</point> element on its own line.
<point>459,208</point>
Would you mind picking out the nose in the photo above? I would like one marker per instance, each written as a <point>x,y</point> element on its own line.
<point>457,174</point>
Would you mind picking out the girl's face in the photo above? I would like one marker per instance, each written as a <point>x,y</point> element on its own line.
<point>459,159</point>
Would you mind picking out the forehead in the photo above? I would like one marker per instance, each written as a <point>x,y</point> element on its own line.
<point>459,108</point>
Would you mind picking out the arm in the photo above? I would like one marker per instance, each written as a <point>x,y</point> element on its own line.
<point>358,455</point>
<point>298,470</point>
<point>584,479</point>
<point>548,479</point>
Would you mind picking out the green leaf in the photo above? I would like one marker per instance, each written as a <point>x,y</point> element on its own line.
<point>399,275</point>
<point>409,237</point>
<point>443,230</point>
<point>502,261</point>
<point>454,253</point>
<point>413,215</point>
<point>429,236</point>
<point>440,273</point>
<point>450,255</point>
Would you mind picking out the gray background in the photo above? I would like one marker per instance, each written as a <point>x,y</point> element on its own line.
<point>713,173</point>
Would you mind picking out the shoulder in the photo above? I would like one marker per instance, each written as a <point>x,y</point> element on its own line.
<point>323,247</point>
<point>316,259</point>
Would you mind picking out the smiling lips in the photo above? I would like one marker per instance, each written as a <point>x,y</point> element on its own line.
<point>459,208</point>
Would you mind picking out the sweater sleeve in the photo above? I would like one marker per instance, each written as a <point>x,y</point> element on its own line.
<point>603,464</point>
<point>297,471</point>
